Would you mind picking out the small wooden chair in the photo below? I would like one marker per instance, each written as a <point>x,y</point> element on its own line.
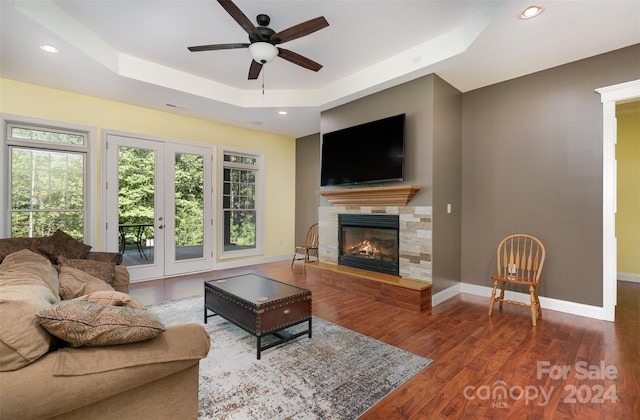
<point>520,259</point>
<point>310,244</point>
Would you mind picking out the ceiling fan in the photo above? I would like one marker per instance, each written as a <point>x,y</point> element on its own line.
<point>263,40</point>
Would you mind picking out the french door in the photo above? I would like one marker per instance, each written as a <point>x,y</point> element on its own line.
<point>159,206</point>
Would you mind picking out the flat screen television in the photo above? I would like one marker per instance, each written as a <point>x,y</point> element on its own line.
<point>366,153</point>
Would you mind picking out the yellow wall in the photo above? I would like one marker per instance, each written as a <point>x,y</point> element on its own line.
<point>38,102</point>
<point>628,216</point>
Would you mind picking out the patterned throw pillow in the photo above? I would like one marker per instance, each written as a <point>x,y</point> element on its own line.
<point>60,244</point>
<point>103,271</point>
<point>82,323</point>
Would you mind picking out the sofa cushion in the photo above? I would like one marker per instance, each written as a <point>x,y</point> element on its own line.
<point>75,283</point>
<point>22,338</point>
<point>82,323</point>
<point>108,298</point>
<point>29,262</point>
<point>61,244</point>
<point>102,270</point>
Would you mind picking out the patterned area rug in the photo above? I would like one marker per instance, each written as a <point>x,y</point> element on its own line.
<point>336,374</point>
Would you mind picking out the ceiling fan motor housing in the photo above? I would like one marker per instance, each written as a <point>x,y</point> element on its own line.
<point>266,33</point>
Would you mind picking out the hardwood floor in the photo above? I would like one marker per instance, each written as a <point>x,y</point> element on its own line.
<point>567,367</point>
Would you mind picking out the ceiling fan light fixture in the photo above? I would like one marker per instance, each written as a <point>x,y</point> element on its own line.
<point>263,52</point>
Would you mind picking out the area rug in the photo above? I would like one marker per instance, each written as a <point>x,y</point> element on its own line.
<point>336,374</point>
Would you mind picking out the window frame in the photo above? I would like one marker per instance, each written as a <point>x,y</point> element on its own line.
<point>90,176</point>
<point>259,201</point>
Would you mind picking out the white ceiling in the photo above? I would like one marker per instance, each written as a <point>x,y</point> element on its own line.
<point>136,51</point>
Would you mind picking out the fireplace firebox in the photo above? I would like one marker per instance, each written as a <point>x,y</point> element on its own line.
<point>369,242</point>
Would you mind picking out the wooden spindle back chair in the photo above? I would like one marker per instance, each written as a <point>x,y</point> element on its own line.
<point>520,259</point>
<point>310,244</point>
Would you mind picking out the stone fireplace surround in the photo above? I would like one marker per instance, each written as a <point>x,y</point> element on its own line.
<point>415,235</point>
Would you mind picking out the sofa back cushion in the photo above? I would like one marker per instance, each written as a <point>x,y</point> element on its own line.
<point>11,245</point>
<point>22,295</point>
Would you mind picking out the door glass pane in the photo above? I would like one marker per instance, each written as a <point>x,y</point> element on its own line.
<point>189,207</point>
<point>136,205</point>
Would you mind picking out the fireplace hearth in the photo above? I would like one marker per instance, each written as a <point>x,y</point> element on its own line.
<point>369,242</point>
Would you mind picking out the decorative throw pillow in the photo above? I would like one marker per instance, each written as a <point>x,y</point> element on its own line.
<point>108,298</point>
<point>82,323</point>
<point>108,257</point>
<point>75,283</point>
<point>61,244</point>
<point>102,270</point>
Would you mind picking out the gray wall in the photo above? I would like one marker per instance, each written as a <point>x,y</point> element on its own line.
<point>447,185</point>
<point>307,183</point>
<point>532,163</point>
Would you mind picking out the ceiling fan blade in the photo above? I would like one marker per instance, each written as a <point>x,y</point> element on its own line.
<point>218,47</point>
<point>241,18</point>
<point>254,70</point>
<point>299,30</point>
<point>298,59</point>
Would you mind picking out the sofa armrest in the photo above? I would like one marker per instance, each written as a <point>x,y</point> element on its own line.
<point>36,392</point>
<point>179,342</point>
<point>121,279</point>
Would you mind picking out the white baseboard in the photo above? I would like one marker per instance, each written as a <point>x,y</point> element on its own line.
<point>446,294</point>
<point>629,277</point>
<point>573,308</point>
<point>251,261</point>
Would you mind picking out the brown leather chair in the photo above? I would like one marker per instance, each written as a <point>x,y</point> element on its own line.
<point>310,244</point>
<point>520,259</point>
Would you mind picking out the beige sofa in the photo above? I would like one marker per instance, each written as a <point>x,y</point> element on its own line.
<point>44,376</point>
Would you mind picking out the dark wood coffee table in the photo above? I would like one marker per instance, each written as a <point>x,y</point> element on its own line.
<point>259,305</point>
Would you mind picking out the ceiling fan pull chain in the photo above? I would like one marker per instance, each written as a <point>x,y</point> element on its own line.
<point>264,70</point>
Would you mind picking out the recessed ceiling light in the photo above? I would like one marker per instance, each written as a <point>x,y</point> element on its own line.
<point>282,112</point>
<point>531,12</point>
<point>49,48</point>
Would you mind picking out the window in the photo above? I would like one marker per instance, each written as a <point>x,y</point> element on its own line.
<point>47,180</point>
<point>241,203</point>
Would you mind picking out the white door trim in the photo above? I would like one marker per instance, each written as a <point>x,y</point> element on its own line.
<point>610,95</point>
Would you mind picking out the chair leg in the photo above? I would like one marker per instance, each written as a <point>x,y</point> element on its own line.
<point>534,305</point>
<point>502,294</point>
<point>538,304</point>
<point>493,296</point>
<point>294,257</point>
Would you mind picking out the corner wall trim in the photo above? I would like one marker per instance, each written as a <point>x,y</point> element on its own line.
<point>573,308</point>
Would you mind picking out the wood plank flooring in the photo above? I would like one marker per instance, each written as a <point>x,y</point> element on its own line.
<point>484,368</point>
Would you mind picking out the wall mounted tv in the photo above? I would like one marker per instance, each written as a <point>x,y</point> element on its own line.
<point>366,153</point>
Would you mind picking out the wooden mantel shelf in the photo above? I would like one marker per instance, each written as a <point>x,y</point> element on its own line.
<point>398,195</point>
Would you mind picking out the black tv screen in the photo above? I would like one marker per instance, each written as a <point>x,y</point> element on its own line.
<point>366,153</point>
